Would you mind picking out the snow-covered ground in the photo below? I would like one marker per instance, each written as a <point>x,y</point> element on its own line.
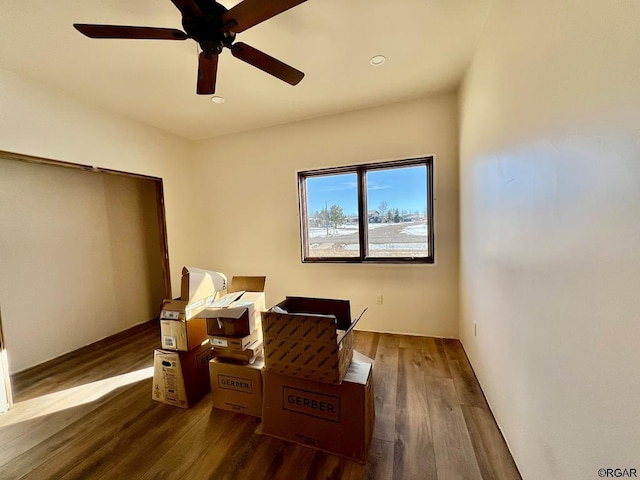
<point>418,247</point>
<point>419,229</point>
<point>385,240</point>
<point>343,230</point>
<point>413,229</point>
<point>322,231</point>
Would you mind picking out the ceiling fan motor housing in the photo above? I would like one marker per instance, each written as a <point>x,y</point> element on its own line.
<point>208,29</point>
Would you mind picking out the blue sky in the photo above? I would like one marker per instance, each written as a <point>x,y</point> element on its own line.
<point>401,188</point>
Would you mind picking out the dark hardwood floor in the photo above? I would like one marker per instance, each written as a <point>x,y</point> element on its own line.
<point>89,415</point>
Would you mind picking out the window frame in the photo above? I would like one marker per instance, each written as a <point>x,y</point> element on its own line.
<point>360,170</point>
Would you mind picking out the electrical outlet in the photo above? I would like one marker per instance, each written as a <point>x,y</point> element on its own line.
<point>379,300</point>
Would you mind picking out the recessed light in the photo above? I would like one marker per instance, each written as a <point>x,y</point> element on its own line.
<point>217,99</point>
<point>377,60</point>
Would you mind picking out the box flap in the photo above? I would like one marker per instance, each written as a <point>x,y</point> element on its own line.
<point>239,303</point>
<point>227,300</point>
<point>237,308</point>
<point>353,324</point>
<point>229,312</point>
<point>198,283</point>
<point>249,284</point>
<point>323,306</point>
<point>343,333</point>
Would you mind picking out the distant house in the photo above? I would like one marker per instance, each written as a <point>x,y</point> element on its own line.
<point>375,217</point>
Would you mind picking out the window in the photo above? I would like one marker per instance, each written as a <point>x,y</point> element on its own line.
<point>376,213</point>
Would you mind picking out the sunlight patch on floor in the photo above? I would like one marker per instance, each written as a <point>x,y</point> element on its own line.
<point>71,397</point>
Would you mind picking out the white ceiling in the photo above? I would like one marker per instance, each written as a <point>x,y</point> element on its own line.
<point>428,45</point>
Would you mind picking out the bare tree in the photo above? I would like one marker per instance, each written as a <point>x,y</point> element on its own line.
<point>382,209</point>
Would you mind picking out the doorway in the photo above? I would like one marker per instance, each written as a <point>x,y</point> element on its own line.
<point>83,253</point>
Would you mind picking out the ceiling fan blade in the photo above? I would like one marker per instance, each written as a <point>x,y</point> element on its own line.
<point>122,31</point>
<point>207,73</point>
<point>188,8</point>
<point>248,13</point>
<point>266,63</point>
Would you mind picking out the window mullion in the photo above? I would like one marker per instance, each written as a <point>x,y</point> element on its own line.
<point>430,210</point>
<point>363,214</point>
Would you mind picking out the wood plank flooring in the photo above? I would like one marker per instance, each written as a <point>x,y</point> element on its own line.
<point>89,415</point>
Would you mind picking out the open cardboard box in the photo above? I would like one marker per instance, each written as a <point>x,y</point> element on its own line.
<point>310,338</point>
<point>179,329</point>
<point>201,285</point>
<point>238,313</point>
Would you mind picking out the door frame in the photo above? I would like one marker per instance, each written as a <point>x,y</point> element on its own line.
<point>4,368</point>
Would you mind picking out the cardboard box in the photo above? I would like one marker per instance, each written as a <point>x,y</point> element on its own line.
<point>236,319</point>
<point>237,344</point>
<point>183,335</point>
<point>238,313</point>
<point>312,339</point>
<point>249,355</point>
<point>181,310</point>
<point>237,388</point>
<point>337,419</point>
<point>181,378</point>
<point>200,285</point>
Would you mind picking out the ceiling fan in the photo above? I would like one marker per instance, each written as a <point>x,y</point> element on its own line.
<point>213,27</point>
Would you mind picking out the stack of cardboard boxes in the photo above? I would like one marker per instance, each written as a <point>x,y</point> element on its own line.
<point>310,387</point>
<point>317,391</point>
<point>234,326</point>
<point>180,375</point>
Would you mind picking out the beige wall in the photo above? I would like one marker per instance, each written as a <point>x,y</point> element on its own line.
<point>247,197</point>
<point>250,179</point>
<point>135,246</point>
<point>35,120</point>
<point>550,257</point>
<point>80,255</point>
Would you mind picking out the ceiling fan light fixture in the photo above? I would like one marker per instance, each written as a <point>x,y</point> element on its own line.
<point>377,60</point>
<point>213,27</point>
<point>217,99</point>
